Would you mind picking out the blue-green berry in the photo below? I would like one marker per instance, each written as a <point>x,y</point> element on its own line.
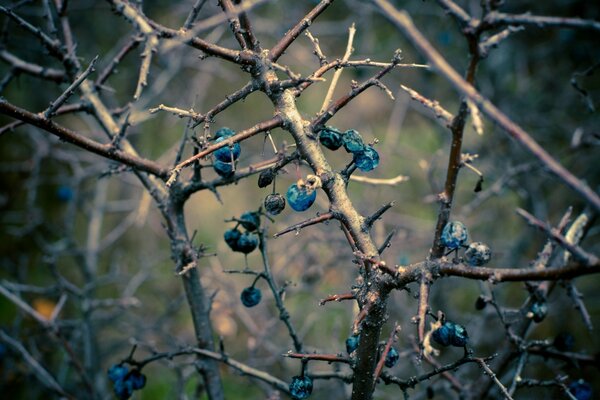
<point>331,138</point>
<point>353,141</point>
<point>224,133</point>
<point>478,254</point>
<point>224,169</point>
<point>228,153</point>
<point>251,296</point>
<point>366,160</point>
<point>450,334</point>
<point>123,389</point>
<point>117,372</point>
<point>64,193</point>
<point>352,343</point>
<point>301,387</point>
<point>138,380</point>
<point>391,358</point>
<point>231,237</point>
<point>581,390</point>
<point>250,220</point>
<point>538,311</point>
<point>300,198</point>
<point>454,235</point>
<point>274,203</point>
<point>246,243</point>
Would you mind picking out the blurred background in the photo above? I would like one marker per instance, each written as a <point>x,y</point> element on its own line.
<point>59,205</point>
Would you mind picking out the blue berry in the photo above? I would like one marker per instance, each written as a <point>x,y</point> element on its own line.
<point>117,372</point>
<point>391,358</point>
<point>123,389</point>
<point>538,311</point>
<point>478,254</point>
<point>300,198</point>
<point>454,235</point>
<point>581,390</point>
<point>246,243</point>
<point>227,153</point>
<point>137,379</point>
<point>64,193</point>
<point>224,133</point>
<point>366,160</point>
<point>250,220</point>
<point>224,169</point>
<point>450,334</point>
<point>274,203</point>
<point>564,341</point>
<point>331,138</point>
<point>353,142</point>
<point>301,387</point>
<point>251,296</point>
<point>231,237</point>
<point>352,343</point>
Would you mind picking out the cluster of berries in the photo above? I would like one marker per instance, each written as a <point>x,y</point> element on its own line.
<point>125,381</point>
<point>225,157</point>
<point>365,156</point>
<point>300,195</point>
<point>450,334</point>
<point>244,242</point>
<point>455,235</point>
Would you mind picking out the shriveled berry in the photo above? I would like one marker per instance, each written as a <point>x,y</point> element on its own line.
<point>123,389</point>
<point>478,254</point>
<point>227,153</point>
<point>366,160</point>
<point>581,390</point>
<point>352,343</point>
<point>564,341</point>
<point>300,198</point>
<point>274,203</point>
<point>454,235</point>
<point>538,311</point>
<point>266,178</point>
<point>231,237</point>
<point>224,169</point>
<point>391,358</point>
<point>331,138</point>
<point>117,372</point>
<point>251,296</point>
<point>64,193</point>
<point>138,380</point>
<point>301,387</point>
<point>224,133</point>
<point>460,336</point>
<point>353,141</point>
<point>250,220</point>
<point>450,334</point>
<point>246,243</point>
<point>480,303</point>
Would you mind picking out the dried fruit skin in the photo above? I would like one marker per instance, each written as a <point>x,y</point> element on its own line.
<point>274,203</point>
<point>454,235</point>
<point>299,198</point>
<point>366,160</point>
<point>478,254</point>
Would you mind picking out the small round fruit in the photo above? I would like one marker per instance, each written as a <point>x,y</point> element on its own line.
<point>246,243</point>
<point>480,303</point>
<point>227,153</point>
<point>301,387</point>
<point>353,141</point>
<point>538,311</point>
<point>331,138</point>
<point>231,237</point>
<point>274,203</point>
<point>450,334</point>
<point>367,160</point>
<point>581,390</point>
<point>117,372</point>
<point>564,341</point>
<point>64,193</point>
<point>300,198</point>
<point>391,358</point>
<point>460,337</point>
<point>224,169</point>
<point>454,235</point>
<point>478,254</point>
<point>123,389</point>
<point>224,133</point>
<point>266,178</point>
<point>250,220</point>
<point>251,296</point>
<point>352,343</point>
<point>138,380</point>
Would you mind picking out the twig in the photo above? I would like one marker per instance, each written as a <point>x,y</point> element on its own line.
<point>496,18</point>
<point>312,221</point>
<point>338,72</point>
<point>318,357</point>
<point>337,297</point>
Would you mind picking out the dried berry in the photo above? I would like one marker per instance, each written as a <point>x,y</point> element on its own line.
<point>331,138</point>
<point>301,387</point>
<point>478,254</point>
<point>250,220</point>
<point>538,311</point>
<point>246,243</point>
<point>251,296</point>
<point>352,343</point>
<point>581,390</point>
<point>274,203</point>
<point>138,380</point>
<point>227,153</point>
<point>353,141</point>
<point>480,303</point>
<point>391,358</point>
<point>450,334</point>
<point>454,235</point>
<point>266,178</point>
<point>224,169</point>
<point>117,372</point>
<point>231,237</point>
<point>366,160</point>
<point>300,198</point>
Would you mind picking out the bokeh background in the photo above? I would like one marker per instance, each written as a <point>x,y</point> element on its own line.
<point>60,205</point>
